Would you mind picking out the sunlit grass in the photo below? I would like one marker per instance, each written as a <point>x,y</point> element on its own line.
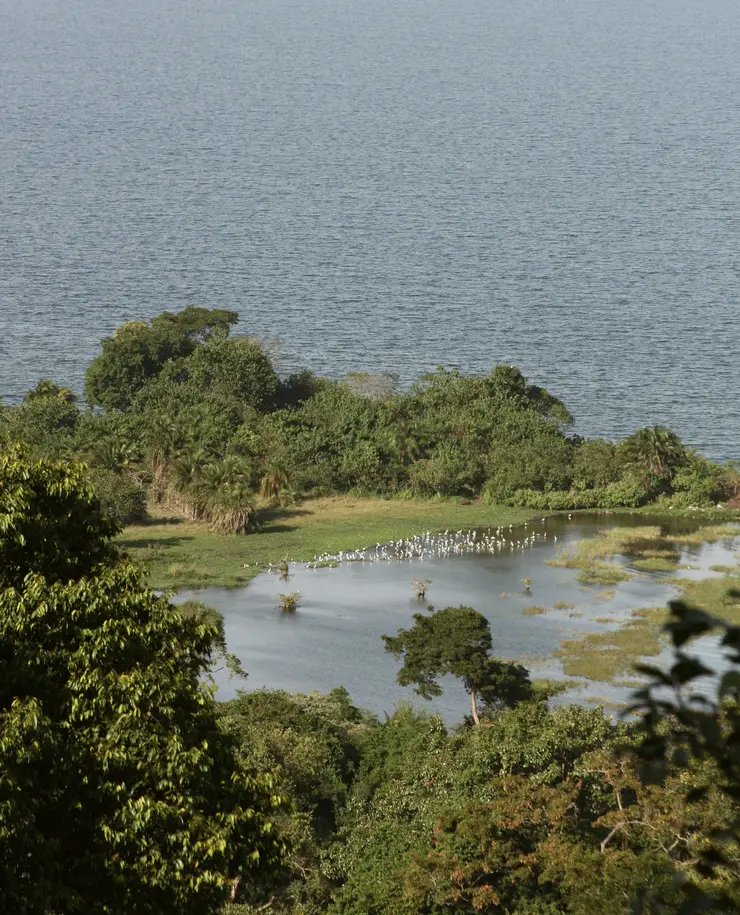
<point>180,553</point>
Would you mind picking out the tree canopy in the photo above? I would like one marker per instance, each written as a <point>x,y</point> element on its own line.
<point>119,793</point>
<point>182,392</point>
<point>457,641</point>
<point>137,351</point>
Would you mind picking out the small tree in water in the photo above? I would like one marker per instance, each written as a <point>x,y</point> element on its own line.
<point>420,586</point>
<point>289,602</point>
<point>457,641</point>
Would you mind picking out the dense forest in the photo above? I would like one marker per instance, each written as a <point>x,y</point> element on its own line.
<point>125,788</point>
<point>191,416</point>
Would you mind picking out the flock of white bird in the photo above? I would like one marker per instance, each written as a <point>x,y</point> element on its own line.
<point>446,543</point>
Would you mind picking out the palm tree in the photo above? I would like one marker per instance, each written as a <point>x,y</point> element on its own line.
<point>166,441</point>
<point>656,449</point>
<point>187,467</point>
<point>275,484</point>
<point>114,454</point>
<point>231,510</point>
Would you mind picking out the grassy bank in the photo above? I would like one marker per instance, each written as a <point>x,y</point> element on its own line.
<point>180,553</point>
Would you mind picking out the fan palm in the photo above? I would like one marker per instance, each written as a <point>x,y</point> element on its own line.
<point>275,484</point>
<point>656,449</point>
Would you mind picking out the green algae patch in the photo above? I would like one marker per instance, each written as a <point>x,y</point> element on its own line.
<point>603,573</point>
<point>719,596</point>
<point>608,656</point>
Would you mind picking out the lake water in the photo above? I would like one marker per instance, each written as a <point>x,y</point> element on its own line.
<point>386,186</point>
<point>334,639</point>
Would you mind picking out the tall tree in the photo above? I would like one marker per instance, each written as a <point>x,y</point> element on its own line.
<point>137,351</point>
<point>456,641</point>
<point>50,521</point>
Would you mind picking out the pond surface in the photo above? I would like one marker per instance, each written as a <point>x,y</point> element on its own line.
<point>334,639</point>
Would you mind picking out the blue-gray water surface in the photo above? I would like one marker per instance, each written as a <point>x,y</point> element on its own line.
<point>386,186</point>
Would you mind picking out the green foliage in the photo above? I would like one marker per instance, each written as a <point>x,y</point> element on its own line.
<point>47,424</point>
<point>628,492</point>
<point>106,738</point>
<point>180,390</point>
<point>138,351</point>
<point>699,483</point>
<point>690,716</point>
<point>595,464</point>
<point>456,641</point>
<point>655,450</point>
<point>532,814</point>
<point>119,793</point>
<point>50,520</point>
<point>312,746</point>
<point>121,499</point>
<point>447,470</point>
<point>48,388</point>
<point>228,368</point>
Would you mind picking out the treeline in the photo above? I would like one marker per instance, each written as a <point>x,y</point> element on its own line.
<point>126,789</point>
<point>198,418</point>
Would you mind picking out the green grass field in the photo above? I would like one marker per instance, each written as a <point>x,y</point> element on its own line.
<point>186,554</point>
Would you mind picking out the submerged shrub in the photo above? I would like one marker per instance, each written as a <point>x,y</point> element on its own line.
<point>289,602</point>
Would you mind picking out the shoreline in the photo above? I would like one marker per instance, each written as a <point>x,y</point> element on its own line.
<point>182,554</point>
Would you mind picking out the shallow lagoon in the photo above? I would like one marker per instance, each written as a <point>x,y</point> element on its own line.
<point>334,638</point>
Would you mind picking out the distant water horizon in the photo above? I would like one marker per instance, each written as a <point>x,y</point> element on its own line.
<point>386,187</point>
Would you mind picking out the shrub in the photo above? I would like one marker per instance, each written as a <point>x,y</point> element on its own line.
<point>420,586</point>
<point>122,500</point>
<point>289,602</point>
<point>699,483</point>
<point>627,493</point>
<point>557,500</point>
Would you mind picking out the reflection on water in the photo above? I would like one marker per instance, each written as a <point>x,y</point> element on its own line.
<point>334,638</point>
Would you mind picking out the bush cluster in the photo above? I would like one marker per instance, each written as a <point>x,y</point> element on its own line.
<point>201,419</point>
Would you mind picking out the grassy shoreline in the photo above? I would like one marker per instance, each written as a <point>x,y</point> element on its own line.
<point>186,554</point>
